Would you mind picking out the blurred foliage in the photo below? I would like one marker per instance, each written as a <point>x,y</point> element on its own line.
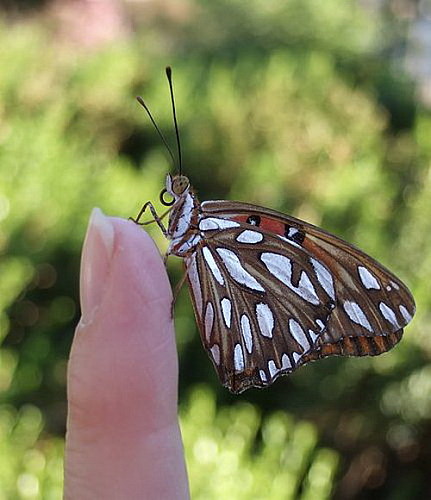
<point>225,462</point>
<point>291,105</point>
<point>31,463</point>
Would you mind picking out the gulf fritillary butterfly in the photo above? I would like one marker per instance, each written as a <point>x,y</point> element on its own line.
<point>272,292</point>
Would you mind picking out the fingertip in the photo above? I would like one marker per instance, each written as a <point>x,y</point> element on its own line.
<point>121,257</point>
<point>125,344</point>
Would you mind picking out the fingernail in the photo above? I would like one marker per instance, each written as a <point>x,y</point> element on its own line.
<point>95,262</point>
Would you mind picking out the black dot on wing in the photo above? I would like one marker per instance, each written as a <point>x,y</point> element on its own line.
<point>330,305</point>
<point>254,220</point>
<point>294,234</point>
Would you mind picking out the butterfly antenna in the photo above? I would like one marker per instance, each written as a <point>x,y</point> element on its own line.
<point>177,133</point>
<point>142,103</point>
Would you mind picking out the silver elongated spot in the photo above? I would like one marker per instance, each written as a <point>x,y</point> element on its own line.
<point>324,277</point>
<point>388,314</point>
<point>313,335</point>
<point>215,351</point>
<point>405,313</point>
<point>226,309</point>
<point>250,237</point>
<point>306,288</point>
<point>285,362</point>
<point>262,376</point>
<point>291,242</point>
<point>238,358</point>
<point>265,319</point>
<point>246,333</point>
<point>187,244</point>
<point>368,280</point>
<point>296,356</point>
<point>237,271</point>
<point>298,334</point>
<point>193,275</point>
<point>209,320</point>
<point>320,324</point>
<point>356,314</point>
<point>272,368</point>
<point>214,223</point>
<point>212,264</point>
<point>281,268</point>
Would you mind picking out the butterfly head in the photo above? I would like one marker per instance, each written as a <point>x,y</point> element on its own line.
<point>177,186</point>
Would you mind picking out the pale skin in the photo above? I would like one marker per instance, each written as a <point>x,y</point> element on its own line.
<point>123,438</point>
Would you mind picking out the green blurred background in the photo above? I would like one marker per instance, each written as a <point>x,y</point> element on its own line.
<point>320,109</point>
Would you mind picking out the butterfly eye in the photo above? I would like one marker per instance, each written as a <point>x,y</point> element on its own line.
<point>254,220</point>
<point>164,201</point>
<point>180,184</point>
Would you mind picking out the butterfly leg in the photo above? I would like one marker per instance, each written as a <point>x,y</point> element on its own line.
<point>177,290</point>
<point>156,218</point>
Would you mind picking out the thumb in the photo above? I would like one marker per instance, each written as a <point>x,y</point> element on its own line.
<point>123,438</point>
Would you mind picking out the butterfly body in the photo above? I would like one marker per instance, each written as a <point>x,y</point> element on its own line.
<point>271,292</point>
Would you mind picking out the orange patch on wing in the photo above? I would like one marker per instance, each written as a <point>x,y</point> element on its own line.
<point>266,223</point>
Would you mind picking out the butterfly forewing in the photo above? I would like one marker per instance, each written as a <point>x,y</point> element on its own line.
<point>320,295</point>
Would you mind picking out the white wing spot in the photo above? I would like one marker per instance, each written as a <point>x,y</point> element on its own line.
<point>238,358</point>
<point>298,334</point>
<point>214,223</point>
<point>193,275</point>
<point>186,245</point>
<point>262,376</point>
<point>248,236</point>
<point>368,280</point>
<point>357,315</point>
<point>226,309</point>
<point>388,288</point>
<point>272,368</point>
<point>313,335</point>
<point>306,288</point>
<point>295,357</point>
<point>265,318</point>
<point>209,320</point>
<point>215,351</point>
<point>212,264</point>
<point>237,271</point>
<point>324,277</point>
<point>285,362</point>
<point>281,267</point>
<point>320,324</point>
<point>246,333</point>
<point>395,285</point>
<point>388,314</point>
<point>291,242</point>
<point>405,314</point>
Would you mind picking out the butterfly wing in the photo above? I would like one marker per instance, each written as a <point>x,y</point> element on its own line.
<point>253,329</point>
<point>372,306</point>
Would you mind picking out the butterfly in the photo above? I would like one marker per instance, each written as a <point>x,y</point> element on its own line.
<point>271,292</point>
